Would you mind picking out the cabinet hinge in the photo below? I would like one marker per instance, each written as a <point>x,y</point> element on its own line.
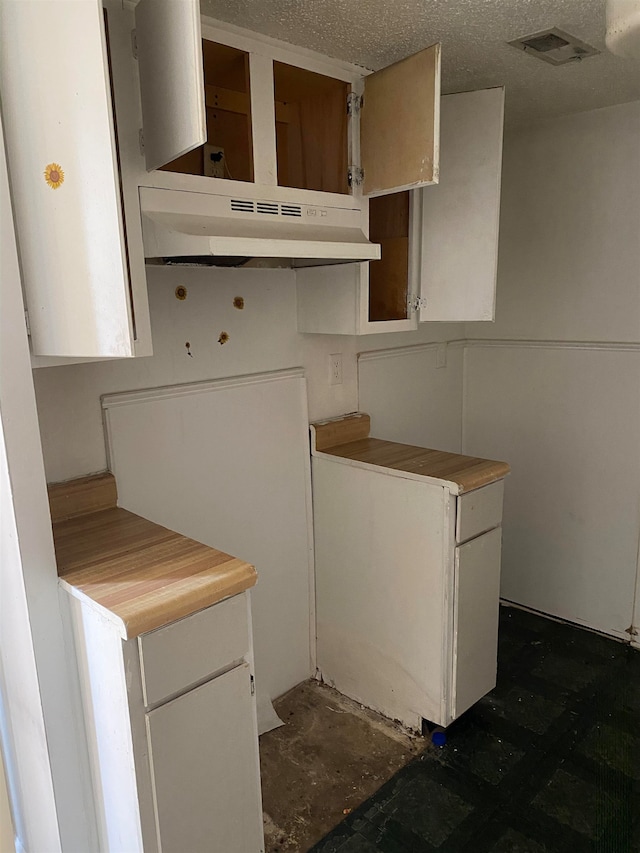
<point>632,631</point>
<point>355,176</point>
<point>354,103</point>
<point>253,685</point>
<point>141,140</point>
<point>27,323</point>
<point>134,44</point>
<point>415,303</point>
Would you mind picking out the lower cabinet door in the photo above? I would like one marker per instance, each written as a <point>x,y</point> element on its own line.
<point>476,602</point>
<point>204,761</point>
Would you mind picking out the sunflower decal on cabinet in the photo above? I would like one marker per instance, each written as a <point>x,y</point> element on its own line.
<point>54,175</point>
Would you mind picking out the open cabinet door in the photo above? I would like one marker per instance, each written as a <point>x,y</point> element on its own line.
<point>171,79</point>
<point>400,125</point>
<point>460,216</point>
<point>65,184</point>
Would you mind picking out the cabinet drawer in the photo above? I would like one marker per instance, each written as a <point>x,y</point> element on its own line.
<point>179,655</point>
<point>478,511</point>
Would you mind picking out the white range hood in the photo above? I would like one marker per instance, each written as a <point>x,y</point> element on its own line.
<point>200,227</point>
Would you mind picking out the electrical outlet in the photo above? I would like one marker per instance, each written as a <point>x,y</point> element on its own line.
<point>335,368</point>
<point>214,162</point>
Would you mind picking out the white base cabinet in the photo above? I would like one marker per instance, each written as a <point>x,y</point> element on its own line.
<point>407,589</point>
<point>204,767</point>
<point>171,726</point>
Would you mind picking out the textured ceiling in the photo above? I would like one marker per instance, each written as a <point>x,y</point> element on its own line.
<point>473,33</point>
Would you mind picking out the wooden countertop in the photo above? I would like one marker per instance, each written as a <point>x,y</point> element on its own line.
<point>464,473</point>
<point>143,574</point>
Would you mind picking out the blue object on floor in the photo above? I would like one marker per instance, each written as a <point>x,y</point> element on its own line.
<point>439,737</point>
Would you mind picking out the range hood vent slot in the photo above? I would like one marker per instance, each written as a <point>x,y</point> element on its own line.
<point>271,208</point>
<point>242,206</point>
<point>554,46</point>
<point>267,207</point>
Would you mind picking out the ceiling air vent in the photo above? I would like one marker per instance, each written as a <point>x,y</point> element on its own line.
<point>554,46</point>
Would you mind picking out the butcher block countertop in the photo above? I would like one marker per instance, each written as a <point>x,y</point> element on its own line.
<point>348,438</point>
<point>136,571</point>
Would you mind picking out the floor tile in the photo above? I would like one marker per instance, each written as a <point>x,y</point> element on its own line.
<point>577,804</point>
<point>567,672</point>
<point>617,749</point>
<point>514,842</point>
<point>548,762</point>
<point>526,709</point>
<point>427,809</point>
<point>474,750</point>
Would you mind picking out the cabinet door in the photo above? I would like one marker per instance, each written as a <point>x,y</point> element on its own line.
<point>204,760</point>
<point>64,177</point>
<point>171,78</point>
<point>399,125</point>
<point>460,216</point>
<point>367,299</point>
<point>476,601</point>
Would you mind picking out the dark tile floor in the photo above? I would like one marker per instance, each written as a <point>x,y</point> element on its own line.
<point>549,762</point>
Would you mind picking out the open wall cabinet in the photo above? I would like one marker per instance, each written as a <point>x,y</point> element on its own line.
<point>219,102</point>
<point>226,127</point>
<point>270,135</point>
<point>440,262</point>
<point>74,197</point>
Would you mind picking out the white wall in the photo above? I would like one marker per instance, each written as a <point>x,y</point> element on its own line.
<point>566,414</point>
<point>414,394</point>
<point>262,337</point>
<point>553,386</point>
<point>568,272</point>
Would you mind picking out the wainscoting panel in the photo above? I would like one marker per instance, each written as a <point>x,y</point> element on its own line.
<point>411,399</point>
<point>567,419</point>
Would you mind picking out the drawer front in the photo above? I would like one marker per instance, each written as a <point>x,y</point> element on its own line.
<point>478,511</point>
<point>186,652</point>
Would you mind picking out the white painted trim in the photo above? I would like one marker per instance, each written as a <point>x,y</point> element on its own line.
<point>396,352</point>
<point>313,644</point>
<point>635,611</point>
<point>608,635</point>
<point>281,51</point>
<point>105,614</point>
<point>610,346</point>
<point>447,702</point>
<point>465,397</point>
<point>250,190</point>
<point>128,398</point>
<point>263,120</point>
<point>468,343</point>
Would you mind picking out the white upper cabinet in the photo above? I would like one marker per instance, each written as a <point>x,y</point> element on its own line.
<point>229,105</point>
<point>439,244</point>
<point>65,179</point>
<point>374,297</point>
<point>460,216</point>
<point>169,48</point>
<point>399,125</point>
